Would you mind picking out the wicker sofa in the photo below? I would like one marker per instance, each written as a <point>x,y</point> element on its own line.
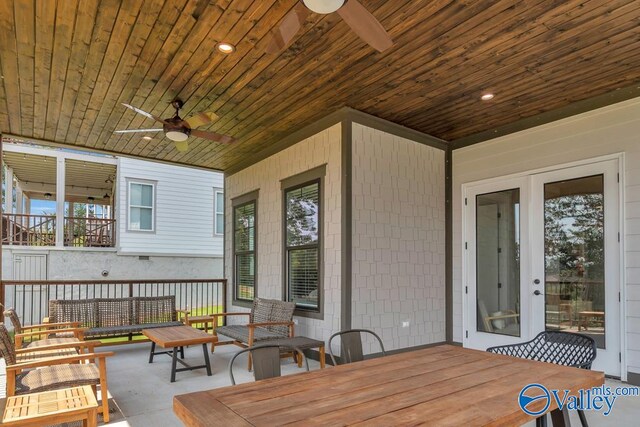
<point>108,317</point>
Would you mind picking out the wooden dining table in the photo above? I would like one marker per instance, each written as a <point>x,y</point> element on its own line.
<point>443,385</point>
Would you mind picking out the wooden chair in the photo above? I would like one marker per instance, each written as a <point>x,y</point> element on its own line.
<point>351,345</point>
<point>268,319</point>
<point>510,318</point>
<point>24,377</point>
<point>266,361</point>
<point>56,333</point>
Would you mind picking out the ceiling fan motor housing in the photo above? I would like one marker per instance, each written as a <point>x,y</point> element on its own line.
<point>175,129</point>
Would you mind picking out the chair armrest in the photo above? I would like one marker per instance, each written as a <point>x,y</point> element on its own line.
<point>59,361</point>
<point>237,313</point>
<point>52,325</point>
<point>80,344</point>
<point>256,325</point>
<point>185,314</point>
<point>502,316</point>
<point>49,331</point>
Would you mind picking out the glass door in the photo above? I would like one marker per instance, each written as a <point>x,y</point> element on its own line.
<point>576,256</point>
<point>497,246</point>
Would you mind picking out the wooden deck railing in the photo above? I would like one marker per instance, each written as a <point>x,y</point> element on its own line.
<point>28,230</point>
<point>40,230</point>
<point>31,298</point>
<point>89,232</point>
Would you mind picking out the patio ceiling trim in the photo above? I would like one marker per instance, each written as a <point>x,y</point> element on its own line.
<point>618,95</point>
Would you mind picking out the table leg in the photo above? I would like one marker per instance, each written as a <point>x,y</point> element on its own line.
<point>322,356</point>
<point>206,359</point>
<point>174,361</point>
<point>92,420</point>
<point>560,418</point>
<point>153,349</point>
<point>182,352</point>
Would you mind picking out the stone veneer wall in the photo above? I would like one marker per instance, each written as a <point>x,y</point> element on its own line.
<point>398,239</point>
<point>265,176</point>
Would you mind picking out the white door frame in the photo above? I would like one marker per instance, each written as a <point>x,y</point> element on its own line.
<point>468,323</point>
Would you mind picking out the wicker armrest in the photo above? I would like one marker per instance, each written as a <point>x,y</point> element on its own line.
<point>52,325</point>
<point>91,345</point>
<point>60,361</point>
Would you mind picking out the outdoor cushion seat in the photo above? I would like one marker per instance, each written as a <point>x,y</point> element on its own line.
<point>126,329</point>
<point>241,333</point>
<point>56,377</point>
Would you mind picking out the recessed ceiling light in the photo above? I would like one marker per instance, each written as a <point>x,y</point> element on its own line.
<point>147,138</point>
<point>487,96</point>
<point>226,48</point>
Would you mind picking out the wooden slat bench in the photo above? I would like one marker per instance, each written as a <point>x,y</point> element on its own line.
<point>108,317</point>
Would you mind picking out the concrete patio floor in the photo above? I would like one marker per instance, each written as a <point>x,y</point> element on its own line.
<point>142,394</point>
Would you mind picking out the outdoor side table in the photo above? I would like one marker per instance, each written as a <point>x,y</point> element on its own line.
<point>51,407</point>
<point>176,338</point>
<point>301,343</point>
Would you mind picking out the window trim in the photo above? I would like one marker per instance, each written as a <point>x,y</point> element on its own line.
<point>216,232</point>
<point>237,202</point>
<point>154,185</point>
<point>315,175</point>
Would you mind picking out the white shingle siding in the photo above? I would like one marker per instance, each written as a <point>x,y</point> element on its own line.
<point>183,210</point>
<point>610,130</point>
<point>398,239</point>
<point>322,148</point>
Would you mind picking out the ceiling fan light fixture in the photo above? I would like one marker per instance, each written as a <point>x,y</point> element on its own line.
<point>324,6</point>
<point>177,136</point>
<point>182,146</point>
<point>225,48</point>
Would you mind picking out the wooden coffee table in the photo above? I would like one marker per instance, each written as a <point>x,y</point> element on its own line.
<point>51,407</point>
<point>176,338</point>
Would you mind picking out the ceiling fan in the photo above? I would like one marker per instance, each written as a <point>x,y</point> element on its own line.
<point>361,21</point>
<point>179,130</point>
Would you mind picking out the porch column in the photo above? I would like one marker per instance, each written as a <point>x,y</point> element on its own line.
<point>19,199</point>
<point>8,193</point>
<point>60,196</point>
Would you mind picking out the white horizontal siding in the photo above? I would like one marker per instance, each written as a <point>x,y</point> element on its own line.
<point>184,217</point>
<point>609,130</point>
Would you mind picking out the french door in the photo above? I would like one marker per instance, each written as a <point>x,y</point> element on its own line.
<point>543,253</point>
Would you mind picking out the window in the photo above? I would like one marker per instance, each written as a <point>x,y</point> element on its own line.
<point>141,206</point>
<point>244,247</point>
<point>219,211</point>
<point>302,245</point>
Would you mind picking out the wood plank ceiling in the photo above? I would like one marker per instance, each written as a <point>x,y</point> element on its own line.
<point>68,64</point>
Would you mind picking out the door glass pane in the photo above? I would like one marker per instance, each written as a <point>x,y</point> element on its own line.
<point>574,256</point>
<point>498,262</point>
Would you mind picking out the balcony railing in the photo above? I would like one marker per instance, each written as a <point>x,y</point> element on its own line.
<point>40,230</point>
<point>31,298</point>
<point>28,230</point>
<point>89,232</point>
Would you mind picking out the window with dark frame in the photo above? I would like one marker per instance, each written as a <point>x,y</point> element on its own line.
<point>244,247</point>
<point>302,245</point>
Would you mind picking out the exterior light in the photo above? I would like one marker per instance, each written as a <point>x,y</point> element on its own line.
<point>323,6</point>
<point>90,199</point>
<point>106,196</point>
<point>47,196</point>
<point>487,96</point>
<point>225,48</point>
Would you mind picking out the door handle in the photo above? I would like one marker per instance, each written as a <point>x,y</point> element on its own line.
<point>536,282</point>
<point>537,292</point>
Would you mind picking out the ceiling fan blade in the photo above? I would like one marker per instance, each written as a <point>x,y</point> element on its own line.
<point>201,119</point>
<point>211,136</point>
<point>144,113</point>
<point>365,25</point>
<point>137,130</point>
<point>282,36</point>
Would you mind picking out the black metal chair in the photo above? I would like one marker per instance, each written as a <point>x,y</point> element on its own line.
<point>351,345</point>
<point>561,348</point>
<point>266,361</point>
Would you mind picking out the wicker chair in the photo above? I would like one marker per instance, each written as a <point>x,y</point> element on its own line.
<point>57,333</point>
<point>351,345</point>
<point>266,361</point>
<point>268,319</point>
<point>561,348</point>
<point>54,373</point>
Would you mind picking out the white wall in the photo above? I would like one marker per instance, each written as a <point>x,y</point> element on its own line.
<point>72,264</point>
<point>398,239</point>
<point>184,216</point>
<point>613,129</point>
<point>265,176</point>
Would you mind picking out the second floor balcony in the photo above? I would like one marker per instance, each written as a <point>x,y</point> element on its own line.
<point>41,230</point>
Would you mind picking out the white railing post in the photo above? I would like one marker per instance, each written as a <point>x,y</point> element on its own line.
<point>60,196</point>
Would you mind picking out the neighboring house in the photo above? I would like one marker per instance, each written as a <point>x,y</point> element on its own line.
<point>122,218</point>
